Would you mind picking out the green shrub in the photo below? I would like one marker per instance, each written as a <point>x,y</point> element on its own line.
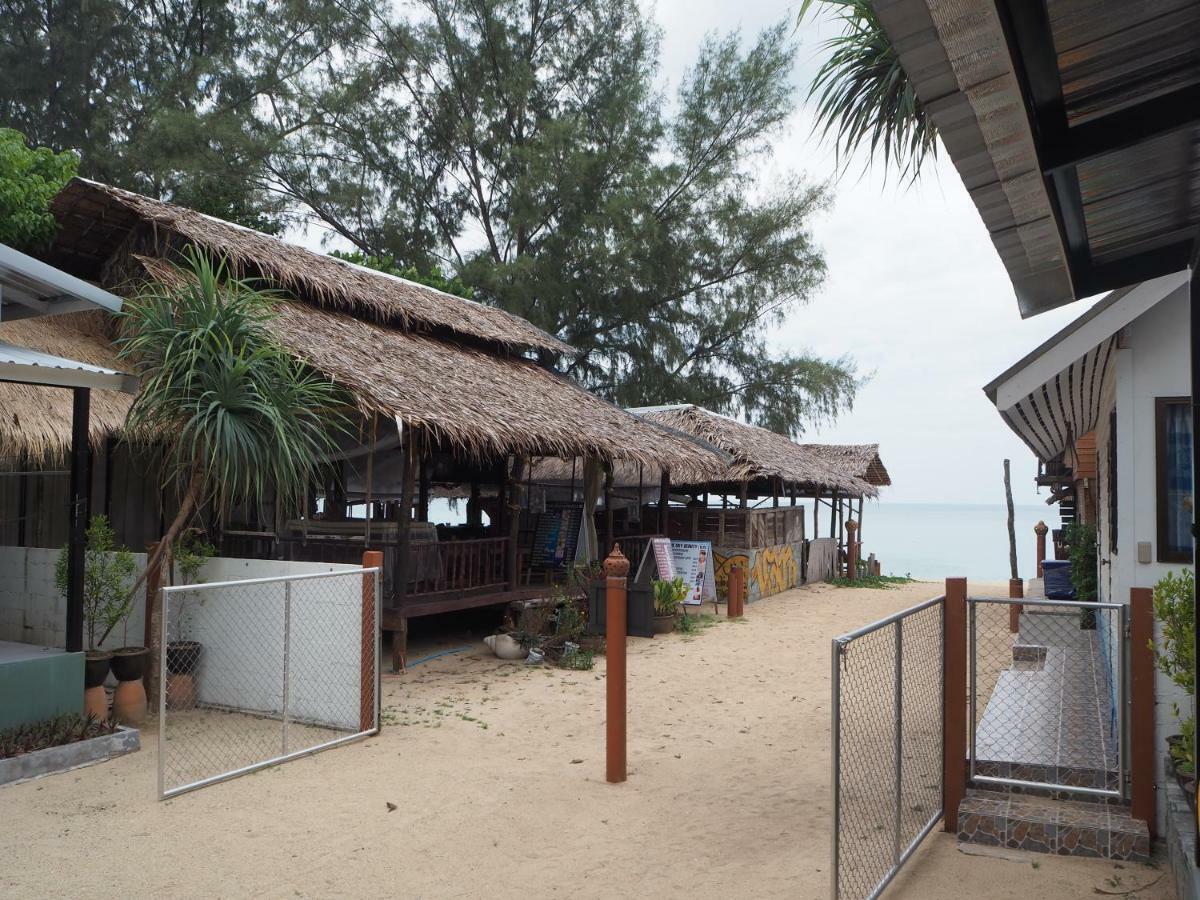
<point>107,569</point>
<point>1175,609</point>
<point>668,595</point>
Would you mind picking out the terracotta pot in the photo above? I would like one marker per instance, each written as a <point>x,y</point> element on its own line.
<point>95,703</point>
<point>664,624</point>
<point>183,657</point>
<point>96,664</point>
<point>181,691</point>
<point>129,702</point>
<point>129,663</point>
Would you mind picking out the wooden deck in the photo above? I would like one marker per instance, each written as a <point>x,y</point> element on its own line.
<point>394,620</point>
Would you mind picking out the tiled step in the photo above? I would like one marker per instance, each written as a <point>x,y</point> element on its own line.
<point>1062,827</point>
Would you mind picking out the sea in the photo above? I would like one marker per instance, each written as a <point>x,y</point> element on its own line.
<point>937,540</point>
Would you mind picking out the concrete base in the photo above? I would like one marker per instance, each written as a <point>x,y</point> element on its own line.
<point>1181,842</point>
<point>53,760</point>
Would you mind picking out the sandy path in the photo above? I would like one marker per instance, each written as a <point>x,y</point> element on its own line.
<point>498,776</point>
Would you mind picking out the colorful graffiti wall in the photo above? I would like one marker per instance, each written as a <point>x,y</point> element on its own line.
<point>768,571</point>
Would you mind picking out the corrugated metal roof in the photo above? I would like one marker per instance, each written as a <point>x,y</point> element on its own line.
<point>35,367</point>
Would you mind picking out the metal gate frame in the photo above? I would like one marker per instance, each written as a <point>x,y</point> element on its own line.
<point>901,852</point>
<point>1122,698</point>
<point>165,793</point>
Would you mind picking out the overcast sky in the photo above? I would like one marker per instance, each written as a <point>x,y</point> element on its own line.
<point>916,294</point>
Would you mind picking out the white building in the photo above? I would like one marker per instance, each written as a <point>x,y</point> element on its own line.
<point>1105,405</point>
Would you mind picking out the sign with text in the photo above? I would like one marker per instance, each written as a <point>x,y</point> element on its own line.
<point>693,560</point>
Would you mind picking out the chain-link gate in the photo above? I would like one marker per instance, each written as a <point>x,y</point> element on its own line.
<point>1047,695</point>
<point>887,746</point>
<point>264,670</point>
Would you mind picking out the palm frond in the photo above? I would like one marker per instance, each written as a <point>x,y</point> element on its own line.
<point>220,393</point>
<point>864,96</point>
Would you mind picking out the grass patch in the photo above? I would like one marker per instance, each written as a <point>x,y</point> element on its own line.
<point>695,624</point>
<point>876,582</point>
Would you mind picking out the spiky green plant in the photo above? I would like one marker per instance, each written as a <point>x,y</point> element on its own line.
<point>237,415</point>
<point>864,96</point>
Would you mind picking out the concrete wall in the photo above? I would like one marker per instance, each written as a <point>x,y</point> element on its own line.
<point>1152,363</point>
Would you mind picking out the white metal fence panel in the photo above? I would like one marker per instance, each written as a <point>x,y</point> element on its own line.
<point>263,670</point>
<point>887,747</point>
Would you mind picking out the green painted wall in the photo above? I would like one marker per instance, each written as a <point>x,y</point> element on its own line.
<point>33,690</point>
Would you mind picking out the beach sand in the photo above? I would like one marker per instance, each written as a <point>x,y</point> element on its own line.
<point>496,771</point>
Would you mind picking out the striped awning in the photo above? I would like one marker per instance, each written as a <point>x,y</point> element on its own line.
<point>1060,411</point>
<point>1053,396</point>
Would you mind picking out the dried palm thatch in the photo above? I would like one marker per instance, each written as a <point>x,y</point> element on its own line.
<point>860,460</point>
<point>96,218</point>
<point>35,421</point>
<point>481,404</point>
<point>758,453</point>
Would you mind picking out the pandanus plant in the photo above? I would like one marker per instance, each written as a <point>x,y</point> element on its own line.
<point>863,95</point>
<point>236,414</point>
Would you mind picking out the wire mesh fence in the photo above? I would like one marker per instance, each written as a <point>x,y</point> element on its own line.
<point>887,746</point>
<point>1047,695</point>
<point>260,671</point>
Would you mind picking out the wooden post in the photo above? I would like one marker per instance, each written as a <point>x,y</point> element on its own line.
<point>816,516</point>
<point>514,522</point>
<point>775,493</point>
<point>1016,590</point>
<point>1141,706</point>
<point>745,494</point>
<point>851,550</point>
<point>474,513</point>
<point>153,630</point>
<point>608,509</point>
<point>408,464</point>
<point>735,603</point>
<point>1012,530</point>
<point>80,510</point>
<point>1040,530</point>
<point>616,568</point>
<point>664,500</point>
<point>954,699</point>
<point>368,703</point>
<point>423,487</point>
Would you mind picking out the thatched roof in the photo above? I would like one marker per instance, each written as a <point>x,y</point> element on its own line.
<point>860,460</point>
<point>479,403</point>
<point>36,421</point>
<point>97,219</point>
<point>758,453</point>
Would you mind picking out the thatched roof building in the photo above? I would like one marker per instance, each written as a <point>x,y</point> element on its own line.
<point>860,460</point>
<point>450,366</point>
<point>761,458</point>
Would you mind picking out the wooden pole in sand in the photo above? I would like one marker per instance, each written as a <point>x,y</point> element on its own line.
<point>1015,587</point>
<point>954,698</point>
<point>616,568</point>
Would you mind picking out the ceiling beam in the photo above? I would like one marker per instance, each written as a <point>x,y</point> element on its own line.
<point>1124,128</point>
<point>1026,25</point>
<point>1138,267</point>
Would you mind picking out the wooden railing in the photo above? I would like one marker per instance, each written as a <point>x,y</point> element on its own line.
<point>458,566</point>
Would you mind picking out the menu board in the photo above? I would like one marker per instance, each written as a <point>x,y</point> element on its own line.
<point>693,560</point>
<point>664,562</point>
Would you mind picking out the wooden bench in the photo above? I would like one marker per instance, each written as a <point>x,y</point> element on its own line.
<point>394,620</point>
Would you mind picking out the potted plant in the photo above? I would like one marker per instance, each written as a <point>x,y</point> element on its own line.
<point>1174,608</point>
<point>667,597</point>
<point>183,654</point>
<point>107,603</point>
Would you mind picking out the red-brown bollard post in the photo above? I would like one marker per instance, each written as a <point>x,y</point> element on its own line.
<point>1041,530</point>
<point>737,582</point>
<point>1016,590</point>
<point>851,549</point>
<point>954,698</point>
<point>616,568</point>
<point>368,697</point>
<point>1141,706</point>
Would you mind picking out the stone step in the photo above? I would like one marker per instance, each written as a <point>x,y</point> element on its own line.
<point>1062,827</point>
